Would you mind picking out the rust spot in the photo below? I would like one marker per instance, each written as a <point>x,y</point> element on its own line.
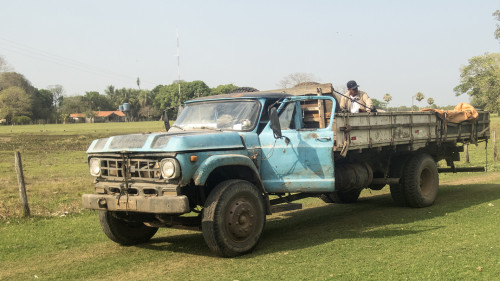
<point>314,135</point>
<point>284,151</point>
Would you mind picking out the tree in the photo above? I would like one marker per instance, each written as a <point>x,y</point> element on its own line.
<point>419,96</point>
<point>57,97</point>
<point>4,66</point>
<point>296,78</point>
<point>223,89</point>
<point>430,101</point>
<point>14,102</point>
<point>11,79</point>
<point>496,14</point>
<point>480,79</point>
<point>74,104</point>
<point>378,104</point>
<point>57,94</point>
<point>97,102</point>
<point>387,98</point>
<point>167,97</point>
<point>42,105</point>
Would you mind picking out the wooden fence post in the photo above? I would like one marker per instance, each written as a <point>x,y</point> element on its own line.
<point>22,187</point>
<point>495,154</point>
<point>467,153</point>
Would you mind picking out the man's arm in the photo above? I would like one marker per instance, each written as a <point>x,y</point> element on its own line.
<point>343,102</point>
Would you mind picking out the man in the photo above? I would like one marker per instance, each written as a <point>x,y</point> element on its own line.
<point>364,103</point>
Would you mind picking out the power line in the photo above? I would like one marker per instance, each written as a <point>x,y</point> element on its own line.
<point>39,54</point>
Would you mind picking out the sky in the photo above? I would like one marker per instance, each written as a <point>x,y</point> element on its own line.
<point>395,47</point>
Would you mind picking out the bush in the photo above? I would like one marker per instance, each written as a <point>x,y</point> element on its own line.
<point>21,120</point>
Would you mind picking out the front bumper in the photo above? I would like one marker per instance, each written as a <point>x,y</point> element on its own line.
<point>142,204</point>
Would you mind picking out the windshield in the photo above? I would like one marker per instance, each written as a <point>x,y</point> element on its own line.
<point>219,115</point>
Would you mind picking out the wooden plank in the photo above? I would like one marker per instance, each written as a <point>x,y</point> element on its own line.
<point>305,90</point>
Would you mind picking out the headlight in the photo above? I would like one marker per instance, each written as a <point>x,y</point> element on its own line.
<point>95,167</point>
<point>170,168</point>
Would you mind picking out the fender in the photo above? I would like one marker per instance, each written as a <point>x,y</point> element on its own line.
<point>213,162</point>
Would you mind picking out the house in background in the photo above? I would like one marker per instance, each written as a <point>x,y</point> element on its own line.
<point>77,118</point>
<point>109,116</point>
<point>99,117</point>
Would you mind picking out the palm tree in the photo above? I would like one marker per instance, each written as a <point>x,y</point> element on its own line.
<point>430,101</point>
<point>418,96</point>
<point>387,99</point>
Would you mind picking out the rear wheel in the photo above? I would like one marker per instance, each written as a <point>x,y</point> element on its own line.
<point>233,218</point>
<point>123,232</point>
<point>420,181</point>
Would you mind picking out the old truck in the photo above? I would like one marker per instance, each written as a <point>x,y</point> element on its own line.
<point>230,160</point>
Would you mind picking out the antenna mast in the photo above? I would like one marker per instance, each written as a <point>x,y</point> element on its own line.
<point>178,67</point>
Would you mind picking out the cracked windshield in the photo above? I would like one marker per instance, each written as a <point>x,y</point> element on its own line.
<point>227,115</point>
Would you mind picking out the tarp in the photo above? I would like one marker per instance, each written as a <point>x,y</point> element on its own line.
<point>462,112</point>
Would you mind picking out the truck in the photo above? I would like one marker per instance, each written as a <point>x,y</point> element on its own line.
<point>228,161</point>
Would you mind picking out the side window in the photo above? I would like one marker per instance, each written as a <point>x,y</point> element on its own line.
<point>287,117</point>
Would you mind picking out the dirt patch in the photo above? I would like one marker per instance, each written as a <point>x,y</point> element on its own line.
<point>477,178</point>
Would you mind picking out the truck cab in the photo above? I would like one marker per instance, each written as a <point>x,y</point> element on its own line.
<point>217,146</point>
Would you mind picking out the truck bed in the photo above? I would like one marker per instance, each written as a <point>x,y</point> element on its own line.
<point>412,129</point>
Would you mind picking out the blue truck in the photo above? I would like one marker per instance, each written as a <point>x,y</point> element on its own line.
<point>228,161</point>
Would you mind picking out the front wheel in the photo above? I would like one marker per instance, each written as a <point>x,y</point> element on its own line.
<point>233,218</point>
<point>123,232</point>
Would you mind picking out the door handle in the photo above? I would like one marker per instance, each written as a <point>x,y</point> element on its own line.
<point>324,139</point>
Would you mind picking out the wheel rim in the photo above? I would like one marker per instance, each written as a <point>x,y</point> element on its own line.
<point>426,182</point>
<point>241,219</point>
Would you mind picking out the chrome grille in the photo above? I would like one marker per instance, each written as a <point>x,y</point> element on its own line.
<point>138,168</point>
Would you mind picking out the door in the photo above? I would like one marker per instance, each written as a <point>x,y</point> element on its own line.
<point>302,160</point>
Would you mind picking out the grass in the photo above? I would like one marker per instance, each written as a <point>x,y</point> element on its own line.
<point>455,239</point>
<point>54,163</point>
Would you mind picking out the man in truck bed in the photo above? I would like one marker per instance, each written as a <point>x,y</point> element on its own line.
<point>364,103</point>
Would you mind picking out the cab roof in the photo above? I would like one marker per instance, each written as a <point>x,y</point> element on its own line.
<point>251,95</point>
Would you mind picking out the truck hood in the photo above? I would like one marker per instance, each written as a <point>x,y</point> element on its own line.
<point>168,142</point>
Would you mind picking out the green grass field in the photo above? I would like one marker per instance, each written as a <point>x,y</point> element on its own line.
<point>455,239</point>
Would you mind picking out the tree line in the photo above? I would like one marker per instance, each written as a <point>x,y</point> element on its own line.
<point>22,103</point>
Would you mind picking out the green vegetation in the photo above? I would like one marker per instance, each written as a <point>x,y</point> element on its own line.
<point>457,238</point>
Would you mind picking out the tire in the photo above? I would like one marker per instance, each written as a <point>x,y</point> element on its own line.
<point>420,181</point>
<point>233,218</point>
<point>345,197</point>
<point>123,232</point>
<point>396,171</point>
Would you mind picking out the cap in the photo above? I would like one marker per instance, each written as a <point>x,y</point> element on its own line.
<point>351,85</point>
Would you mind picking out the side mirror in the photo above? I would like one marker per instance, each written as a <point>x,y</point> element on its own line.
<point>165,120</point>
<point>275,122</point>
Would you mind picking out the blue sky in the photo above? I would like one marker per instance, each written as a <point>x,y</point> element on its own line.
<point>396,47</point>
